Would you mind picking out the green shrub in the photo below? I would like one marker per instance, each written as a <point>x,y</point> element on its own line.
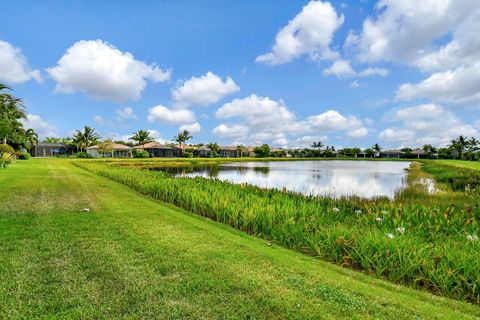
<point>6,158</point>
<point>23,156</point>
<point>140,153</point>
<point>5,148</point>
<point>188,154</point>
<point>83,155</point>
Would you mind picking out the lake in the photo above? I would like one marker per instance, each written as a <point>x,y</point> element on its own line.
<point>333,178</point>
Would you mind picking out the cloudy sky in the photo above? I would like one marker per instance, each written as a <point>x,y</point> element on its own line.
<point>349,73</point>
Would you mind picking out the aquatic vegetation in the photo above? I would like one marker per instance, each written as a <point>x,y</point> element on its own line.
<point>434,254</point>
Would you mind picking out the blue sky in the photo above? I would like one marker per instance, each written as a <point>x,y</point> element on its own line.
<point>349,73</point>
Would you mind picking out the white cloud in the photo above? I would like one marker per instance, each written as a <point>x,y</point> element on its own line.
<point>103,72</point>
<point>192,128</point>
<point>404,30</point>
<point>163,114</point>
<point>354,84</point>
<point>425,124</point>
<point>332,120</point>
<point>374,72</point>
<point>460,86</point>
<point>14,67</point>
<point>235,131</point>
<point>357,133</point>
<point>41,127</point>
<point>463,49</point>
<point>126,113</point>
<point>98,119</point>
<point>309,33</point>
<point>203,90</point>
<point>306,141</point>
<point>155,135</point>
<point>340,69</point>
<point>262,119</point>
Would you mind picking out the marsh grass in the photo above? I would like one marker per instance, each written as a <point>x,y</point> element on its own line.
<point>418,239</point>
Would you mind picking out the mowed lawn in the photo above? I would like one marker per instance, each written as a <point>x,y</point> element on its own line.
<point>461,163</point>
<point>133,257</point>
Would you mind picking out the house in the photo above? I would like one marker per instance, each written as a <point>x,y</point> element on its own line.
<point>228,152</point>
<point>202,152</point>
<point>42,149</point>
<point>392,154</point>
<point>419,153</point>
<point>158,150</point>
<point>118,151</point>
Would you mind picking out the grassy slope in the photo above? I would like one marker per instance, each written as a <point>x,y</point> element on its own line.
<point>134,257</point>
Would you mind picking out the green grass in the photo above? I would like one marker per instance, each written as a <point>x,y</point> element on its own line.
<point>133,257</point>
<point>461,163</point>
<point>433,253</point>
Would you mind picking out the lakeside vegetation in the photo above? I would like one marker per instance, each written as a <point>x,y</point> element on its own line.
<point>421,240</point>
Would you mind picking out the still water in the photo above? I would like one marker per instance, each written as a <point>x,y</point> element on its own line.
<point>329,178</point>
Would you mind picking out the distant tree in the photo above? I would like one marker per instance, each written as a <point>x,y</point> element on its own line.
<point>458,146</point>
<point>127,143</point>
<point>318,145</point>
<point>214,147</point>
<point>429,150</point>
<point>473,144</point>
<point>369,152</point>
<point>262,151</point>
<point>141,137</point>
<point>32,138</point>
<point>407,151</point>
<point>182,138</point>
<point>376,147</point>
<point>241,150</point>
<point>85,138</point>
<point>105,147</point>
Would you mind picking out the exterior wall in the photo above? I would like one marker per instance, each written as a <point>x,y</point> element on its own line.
<point>164,152</point>
<point>227,153</point>
<point>116,154</point>
<point>51,151</point>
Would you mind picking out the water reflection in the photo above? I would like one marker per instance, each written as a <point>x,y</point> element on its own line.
<point>333,178</point>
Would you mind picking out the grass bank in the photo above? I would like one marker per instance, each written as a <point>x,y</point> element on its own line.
<point>133,257</point>
<point>420,240</point>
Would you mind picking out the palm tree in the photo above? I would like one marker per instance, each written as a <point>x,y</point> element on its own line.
<point>142,137</point>
<point>241,149</point>
<point>182,138</point>
<point>318,145</point>
<point>32,138</point>
<point>85,138</point>
<point>213,146</point>
<point>376,147</point>
<point>459,145</point>
<point>473,144</point>
<point>11,111</point>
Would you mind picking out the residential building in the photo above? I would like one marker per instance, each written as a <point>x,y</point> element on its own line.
<point>42,149</point>
<point>118,151</point>
<point>158,150</point>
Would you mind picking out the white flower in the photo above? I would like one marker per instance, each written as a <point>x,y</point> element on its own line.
<point>358,211</point>
<point>390,235</point>
<point>472,237</point>
<point>401,230</point>
<point>379,219</point>
<point>336,210</point>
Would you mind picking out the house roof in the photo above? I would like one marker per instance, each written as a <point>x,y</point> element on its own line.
<point>116,146</point>
<point>154,145</point>
<point>418,152</point>
<point>392,152</point>
<point>44,144</point>
<point>230,148</point>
